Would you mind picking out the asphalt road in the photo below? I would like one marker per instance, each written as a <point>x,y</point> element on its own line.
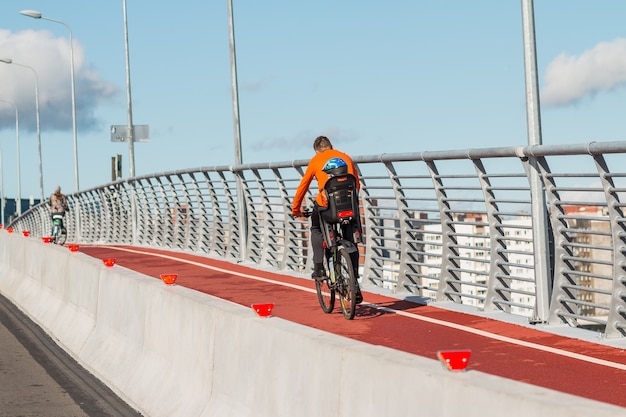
<point>38,378</point>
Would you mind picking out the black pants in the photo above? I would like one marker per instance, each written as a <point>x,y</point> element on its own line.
<point>317,238</point>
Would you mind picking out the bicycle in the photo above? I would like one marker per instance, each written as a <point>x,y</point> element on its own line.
<point>338,221</point>
<point>59,234</point>
<point>341,280</point>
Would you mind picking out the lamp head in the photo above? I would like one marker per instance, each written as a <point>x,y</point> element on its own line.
<point>31,13</point>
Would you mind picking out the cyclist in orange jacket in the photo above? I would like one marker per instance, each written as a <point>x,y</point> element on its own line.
<point>323,152</point>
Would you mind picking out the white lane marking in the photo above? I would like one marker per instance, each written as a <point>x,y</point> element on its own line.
<point>455,326</point>
<point>214,268</point>
<point>506,339</point>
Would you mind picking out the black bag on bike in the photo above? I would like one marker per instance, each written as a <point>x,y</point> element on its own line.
<point>343,200</point>
<point>342,195</point>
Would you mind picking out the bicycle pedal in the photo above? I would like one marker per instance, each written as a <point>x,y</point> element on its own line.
<point>358,297</point>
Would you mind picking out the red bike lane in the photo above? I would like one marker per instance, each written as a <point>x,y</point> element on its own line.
<point>517,352</point>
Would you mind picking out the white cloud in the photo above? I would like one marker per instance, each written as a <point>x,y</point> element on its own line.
<point>303,140</point>
<point>49,57</point>
<point>570,78</point>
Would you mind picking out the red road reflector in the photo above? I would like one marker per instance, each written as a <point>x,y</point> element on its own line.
<point>26,233</point>
<point>9,230</point>
<point>169,279</point>
<point>46,239</point>
<point>263,310</point>
<point>109,261</point>
<point>74,248</point>
<point>454,360</point>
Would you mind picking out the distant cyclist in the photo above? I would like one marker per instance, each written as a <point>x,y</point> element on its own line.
<point>58,205</point>
<point>323,153</point>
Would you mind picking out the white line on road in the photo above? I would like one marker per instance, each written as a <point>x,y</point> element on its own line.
<point>455,326</point>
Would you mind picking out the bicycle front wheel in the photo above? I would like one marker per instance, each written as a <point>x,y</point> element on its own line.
<point>55,234</point>
<point>325,293</point>
<point>346,284</point>
<point>61,237</point>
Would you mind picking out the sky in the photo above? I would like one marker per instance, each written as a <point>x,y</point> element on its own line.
<point>375,77</point>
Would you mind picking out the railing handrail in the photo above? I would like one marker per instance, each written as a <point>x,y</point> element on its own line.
<point>448,225</point>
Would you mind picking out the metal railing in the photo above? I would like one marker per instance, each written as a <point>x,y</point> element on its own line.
<point>448,225</point>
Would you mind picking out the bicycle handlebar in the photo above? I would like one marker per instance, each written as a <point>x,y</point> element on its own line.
<point>305,213</point>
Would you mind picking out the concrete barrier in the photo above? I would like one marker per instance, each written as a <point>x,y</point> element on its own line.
<point>171,351</point>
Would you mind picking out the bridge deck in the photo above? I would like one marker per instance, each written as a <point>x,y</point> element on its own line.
<point>518,352</point>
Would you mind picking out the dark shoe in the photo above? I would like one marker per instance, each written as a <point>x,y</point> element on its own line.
<point>359,296</point>
<point>319,273</point>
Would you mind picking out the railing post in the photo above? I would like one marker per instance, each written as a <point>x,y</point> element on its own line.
<point>133,212</point>
<point>616,322</point>
<point>403,220</point>
<point>242,216</point>
<point>499,258</point>
<point>77,218</point>
<point>538,202</point>
<point>286,216</point>
<point>368,225</point>
<point>449,279</point>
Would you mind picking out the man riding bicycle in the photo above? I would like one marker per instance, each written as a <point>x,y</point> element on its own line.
<point>58,206</point>
<point>323,153</point>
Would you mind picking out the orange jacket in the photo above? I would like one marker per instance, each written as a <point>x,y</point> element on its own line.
<point>314,169</point>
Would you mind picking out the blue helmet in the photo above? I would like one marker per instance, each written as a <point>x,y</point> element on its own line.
<point>335,166</point>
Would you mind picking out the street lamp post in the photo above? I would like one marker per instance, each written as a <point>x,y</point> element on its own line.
<point>18,199</point>
<point>234,82</point>
<point>131,138</point>
<point>10,61</point>
<point>533,123</point>
<point>131,133</point>
<point>37,15</point>
<point>243,217</point>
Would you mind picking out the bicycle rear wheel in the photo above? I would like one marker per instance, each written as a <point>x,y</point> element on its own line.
<point>325,293</point>
<point>58,236</point>
<point>346,284</point>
